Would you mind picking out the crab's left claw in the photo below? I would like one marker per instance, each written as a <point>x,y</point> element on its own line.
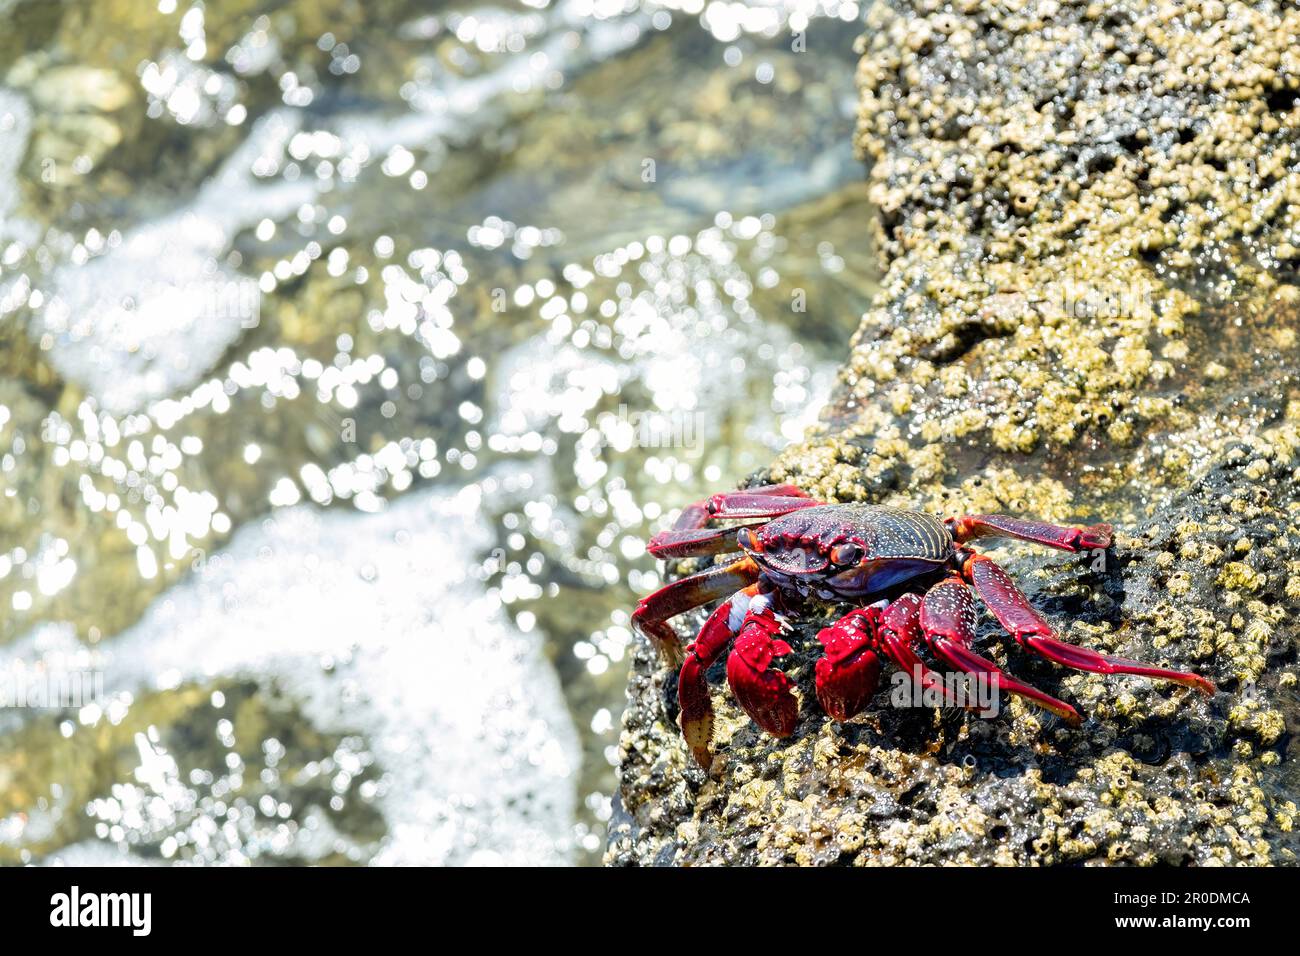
<point>762,692</point>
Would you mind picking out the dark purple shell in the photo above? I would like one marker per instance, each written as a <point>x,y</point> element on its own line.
<point>800,541</point>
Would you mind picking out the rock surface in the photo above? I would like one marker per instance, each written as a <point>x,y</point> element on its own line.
<point>1089,217</point>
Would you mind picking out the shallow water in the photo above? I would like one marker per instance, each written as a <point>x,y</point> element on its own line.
<point>348,359</point>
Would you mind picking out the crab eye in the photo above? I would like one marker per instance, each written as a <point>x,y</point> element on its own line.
<point>747,539</point>
<point>846,554</point>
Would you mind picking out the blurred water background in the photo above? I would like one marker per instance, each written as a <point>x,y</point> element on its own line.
<point>348,354</point>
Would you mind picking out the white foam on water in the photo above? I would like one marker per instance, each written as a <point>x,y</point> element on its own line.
<point>462,712</point>
<point>154,314</point>
<point>93,854</point>
<point>458,107</point>
<point>15,127</point>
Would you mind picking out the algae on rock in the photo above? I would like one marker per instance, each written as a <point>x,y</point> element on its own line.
<point>1089,215</point>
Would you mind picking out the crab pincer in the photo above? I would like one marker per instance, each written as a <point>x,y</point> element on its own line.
<point>849,668</point>
<point>762,691</point>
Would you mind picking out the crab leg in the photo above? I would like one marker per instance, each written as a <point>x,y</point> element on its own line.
<point>746,504</point>
<point>652,612</point>
<point>1065,537</point>
<point>692,687</point>
<point>1014,612</point>
<point>696,542</point>
<point>697,515</point>
<point>761,691</point>
<point>948,625</point>
<point>690,538</point>
<point>899,634</point>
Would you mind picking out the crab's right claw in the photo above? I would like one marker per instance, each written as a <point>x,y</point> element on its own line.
<point>848,671</point>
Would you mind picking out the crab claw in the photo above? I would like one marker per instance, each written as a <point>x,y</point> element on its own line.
<point>848,671</point>
<point>763,693</point>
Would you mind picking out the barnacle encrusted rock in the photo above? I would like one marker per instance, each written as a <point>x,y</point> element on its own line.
<point>1090,215</point>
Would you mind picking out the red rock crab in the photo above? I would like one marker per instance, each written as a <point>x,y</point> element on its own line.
<point>801,548</point>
